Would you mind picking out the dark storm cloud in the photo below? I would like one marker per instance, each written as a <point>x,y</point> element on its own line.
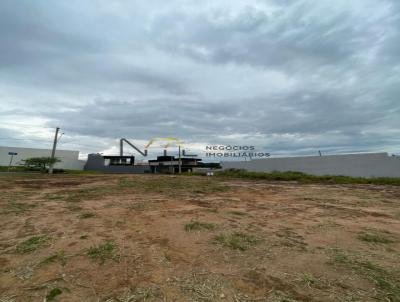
<point>291,76</point>
<point>295,36</point>
<point>36,49</point>
<point>326,112</point>
<point>30,35</point>
<point>149,118</point>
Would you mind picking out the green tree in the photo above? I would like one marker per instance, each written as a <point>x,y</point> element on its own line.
<point>41,162</point>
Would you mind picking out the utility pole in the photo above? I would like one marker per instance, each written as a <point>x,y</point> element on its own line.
<point>53,151</point>
<point>12,156</point>
<point>180,162</point>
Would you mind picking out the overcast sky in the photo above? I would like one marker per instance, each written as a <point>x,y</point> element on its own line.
<point>291,77</point>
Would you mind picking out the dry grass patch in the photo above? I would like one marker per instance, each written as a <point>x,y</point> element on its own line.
<point>53,294</point>
<point>59,257</point>
<point>103,251</point>
<point>32,244</point>
<point>238,213</point>
<point>387,282</point>
<point>236,241</point>
<point>87,215</point>
<point>174,185</point>
<point>198,226</point>
<point>374,238</point>
<point>19,207</point>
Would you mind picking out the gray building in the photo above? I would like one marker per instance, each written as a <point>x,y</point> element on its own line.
<point>126,164</point>
<point>69,159</point>
<point>114,164</point>
<point>356,165</point>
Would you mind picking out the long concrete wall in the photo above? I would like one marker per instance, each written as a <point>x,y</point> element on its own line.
<point>69,159</point>
<point>356,165</point>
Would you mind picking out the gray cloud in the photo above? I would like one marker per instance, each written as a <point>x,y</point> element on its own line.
<point>294,37</point>
<point>289,76</point>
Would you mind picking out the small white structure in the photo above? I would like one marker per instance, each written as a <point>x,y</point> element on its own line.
<point>69,159</point>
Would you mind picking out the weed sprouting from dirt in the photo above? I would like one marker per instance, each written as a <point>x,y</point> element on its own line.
<point>59,258</point>
<point>325,225</point>
<point>201,286</point>
<point>103,251</point>
<point>374,238</point>
<point>140,294</point>
<point>51,196</point>
<point>198,226</point>
<point>146,293</point>
<point>74,208</point>
<point>87,215</point>
<point>167,257</point>
<point>19,207</point>
<point>236,241</point>
<point>138,206</point>
<point>279,296</point>
<point>237,213</point>
<point>308,279</point>
<point>289,238</point>
<point>388,284</point>
<point>32,244</point>
<point>53,294</point>
<point>7,298</point>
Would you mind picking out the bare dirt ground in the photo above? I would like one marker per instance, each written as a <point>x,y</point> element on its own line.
<point>165,238</point>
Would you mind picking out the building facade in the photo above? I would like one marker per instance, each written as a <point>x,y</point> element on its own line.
<point>126,164</point>
<point>114,164</point>
<point>69,159</point>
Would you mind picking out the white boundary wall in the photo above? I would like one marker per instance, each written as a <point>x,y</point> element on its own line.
<point>69,159</point>
<point>356,165</point>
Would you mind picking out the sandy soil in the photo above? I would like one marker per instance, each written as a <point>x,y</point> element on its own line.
<point>165,238</point>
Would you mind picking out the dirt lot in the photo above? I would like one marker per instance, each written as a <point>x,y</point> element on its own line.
<point>165,238</point>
